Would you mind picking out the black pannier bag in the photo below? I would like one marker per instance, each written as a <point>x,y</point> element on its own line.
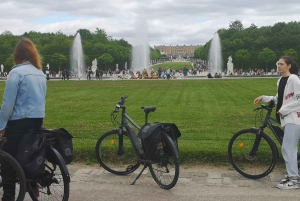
<point>31,153</point>
<point>150,136</point>
<point>63,144</point>
<point>171,130</point>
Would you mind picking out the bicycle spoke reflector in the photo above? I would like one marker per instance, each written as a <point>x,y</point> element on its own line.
<point>241,145</point>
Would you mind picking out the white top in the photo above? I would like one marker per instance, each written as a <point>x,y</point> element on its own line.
<point>290,109</point>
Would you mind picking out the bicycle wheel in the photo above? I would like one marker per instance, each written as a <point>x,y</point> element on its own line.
<point>11,177</point>
<point>252,165</point>
<point>116,154</point>
<point>52,185</point>
<point>165,171</point>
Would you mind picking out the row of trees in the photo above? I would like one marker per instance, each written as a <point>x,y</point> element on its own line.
<point>255,47</point>
<point>55,49</point>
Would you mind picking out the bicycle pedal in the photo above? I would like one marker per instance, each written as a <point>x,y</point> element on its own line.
<point>54,180</point>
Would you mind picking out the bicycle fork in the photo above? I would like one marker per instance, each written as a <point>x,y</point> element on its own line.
<point>255,146</point>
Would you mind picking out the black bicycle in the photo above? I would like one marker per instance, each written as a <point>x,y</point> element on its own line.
<point>52,184</point>
<point>121,152</point>
<point>252,152</point>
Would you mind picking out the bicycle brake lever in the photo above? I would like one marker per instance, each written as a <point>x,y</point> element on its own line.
<point>116,110</point>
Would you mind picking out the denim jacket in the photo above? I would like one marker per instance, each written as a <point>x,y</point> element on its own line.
<point>24,95</point>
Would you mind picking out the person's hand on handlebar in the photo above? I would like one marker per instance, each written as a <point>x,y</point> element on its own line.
<point>2,132</point>
<point>257,100</point>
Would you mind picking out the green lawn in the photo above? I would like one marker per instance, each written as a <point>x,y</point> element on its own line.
<point>173,65</point>
<point>207,112</point>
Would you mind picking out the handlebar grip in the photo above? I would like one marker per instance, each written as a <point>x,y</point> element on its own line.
<point>271,104</point>
<point>122,100</point>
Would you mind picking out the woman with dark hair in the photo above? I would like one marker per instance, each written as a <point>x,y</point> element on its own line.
<point>288,114</point>
<point>23,105</point>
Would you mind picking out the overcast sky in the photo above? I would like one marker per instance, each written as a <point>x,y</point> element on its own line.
<point>169,22</point>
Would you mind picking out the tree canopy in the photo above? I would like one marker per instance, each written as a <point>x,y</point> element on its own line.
<point>55,48</point>
<point>281,38</point>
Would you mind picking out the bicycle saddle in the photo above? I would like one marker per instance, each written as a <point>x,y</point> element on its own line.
<point>148,109</point>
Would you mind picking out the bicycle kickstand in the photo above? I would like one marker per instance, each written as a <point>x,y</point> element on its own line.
<point>145,166</point>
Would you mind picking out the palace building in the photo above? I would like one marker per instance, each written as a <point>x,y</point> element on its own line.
<point>175,51</point>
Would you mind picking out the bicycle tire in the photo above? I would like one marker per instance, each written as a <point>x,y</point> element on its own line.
<point>59,183</point>
<point>253,167</point>
<point>9,163</point>
<point>165,171</point>
<point>117,161</point>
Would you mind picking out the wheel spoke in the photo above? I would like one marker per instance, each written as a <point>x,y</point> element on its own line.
<point>116,154</point>
<point>251,156</point>
<point>51,185</point>
<point>11,177</point>
<point>166,171</point>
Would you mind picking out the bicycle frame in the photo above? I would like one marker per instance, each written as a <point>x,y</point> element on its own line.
<point>267,123</point>
<point>125,119</point>
<point>134,139</point>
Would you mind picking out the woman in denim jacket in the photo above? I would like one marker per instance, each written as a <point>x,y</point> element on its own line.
<point>23,105</point>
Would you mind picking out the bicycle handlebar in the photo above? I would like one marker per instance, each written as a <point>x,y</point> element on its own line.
<point>267,107</point>
<point>120,104</point>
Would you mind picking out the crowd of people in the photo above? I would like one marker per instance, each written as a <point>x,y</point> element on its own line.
<point>251,72</point>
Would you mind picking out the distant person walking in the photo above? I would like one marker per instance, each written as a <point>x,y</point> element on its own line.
<point>100,74</point>
<point>47,73</point>
<point>185,71</point>
<point>68,74</point>
<point>159,72</point>
<point>63,74</point>
<point>88,73</point>
<point>168,72</point>
<point>97,74</point>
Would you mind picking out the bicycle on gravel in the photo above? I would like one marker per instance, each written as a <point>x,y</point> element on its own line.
<point>120,151</point>
<point>52,184</point>
<point>252,152</point>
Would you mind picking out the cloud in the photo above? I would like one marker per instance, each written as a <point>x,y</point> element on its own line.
<point>170,22</point>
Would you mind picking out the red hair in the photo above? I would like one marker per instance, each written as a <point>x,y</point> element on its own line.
<point>25,50</point>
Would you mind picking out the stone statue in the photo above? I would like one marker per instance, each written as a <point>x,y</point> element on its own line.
<point>145,74</point>
<point>139,75</point>
<point>117,69</point>
<point>48,66</point>
<point>94,66</point>
<point>230,59</point>
<point>94,62</point>
<point>152,72</point>
<point>2,67</point>
<point>125,65</point>
<point>229,64</point>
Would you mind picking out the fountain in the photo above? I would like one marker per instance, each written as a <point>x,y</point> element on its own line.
<point>141,48</point>
<point>78,67</point>
<point>215,55</point>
